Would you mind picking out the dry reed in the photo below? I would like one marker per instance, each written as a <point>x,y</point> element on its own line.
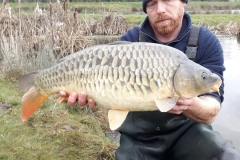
<point>37,41</point>
<point>232,28</point>
<point>112,25</point>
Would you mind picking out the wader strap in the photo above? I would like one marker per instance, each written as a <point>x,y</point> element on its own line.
<point>142,37</point>
<point>191,48</point>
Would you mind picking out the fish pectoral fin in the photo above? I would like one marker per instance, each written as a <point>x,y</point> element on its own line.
<point>31,100</point>
<point>60,99</point>
<point>116,118</point>
<point>166,104</point>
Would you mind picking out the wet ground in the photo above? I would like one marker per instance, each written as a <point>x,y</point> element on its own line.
<point>228,120</point>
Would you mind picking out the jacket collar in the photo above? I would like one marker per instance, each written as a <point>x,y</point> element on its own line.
<point>186,26</point>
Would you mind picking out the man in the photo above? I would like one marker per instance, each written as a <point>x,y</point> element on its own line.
<point>184,132</point>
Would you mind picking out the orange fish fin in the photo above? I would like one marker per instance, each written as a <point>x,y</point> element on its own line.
<point>31,100</point>
<point>60,99</point>
<point>116,118</point>
<point>166,104</point>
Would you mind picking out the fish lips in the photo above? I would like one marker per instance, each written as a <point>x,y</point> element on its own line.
<point>218,82</point>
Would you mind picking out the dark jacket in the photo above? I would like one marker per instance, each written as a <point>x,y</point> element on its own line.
<point>209,55</point>
<point>209,52</point>
<point>155,135</point>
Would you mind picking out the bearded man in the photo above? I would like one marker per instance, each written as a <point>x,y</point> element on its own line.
<point>184,132</point>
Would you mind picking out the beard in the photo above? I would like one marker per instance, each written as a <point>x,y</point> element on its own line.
<point>167,28</point>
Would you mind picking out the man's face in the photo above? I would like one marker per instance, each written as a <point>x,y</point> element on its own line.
<point>165,15</point>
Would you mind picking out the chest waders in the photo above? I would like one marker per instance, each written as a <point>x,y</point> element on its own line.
<point>154,135</point>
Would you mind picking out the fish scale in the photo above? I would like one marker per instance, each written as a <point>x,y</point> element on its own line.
<point>101,70</point>
<point>121,76</point>
<point>120,65</point>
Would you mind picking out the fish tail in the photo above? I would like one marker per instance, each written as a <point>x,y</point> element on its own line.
<point>32,99</point>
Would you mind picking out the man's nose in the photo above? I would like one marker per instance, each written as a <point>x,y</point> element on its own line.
<point>161,7</point>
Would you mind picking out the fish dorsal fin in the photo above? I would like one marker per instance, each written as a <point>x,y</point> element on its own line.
<point>90,48</point>
<point>66,58</point>
<point>119,42</point>
<point>166,104</point>
<point>116,118</point>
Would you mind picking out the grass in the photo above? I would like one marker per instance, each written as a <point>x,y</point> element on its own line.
<point>210,19</point>
<point>215,19</point>
<point>54,132</point>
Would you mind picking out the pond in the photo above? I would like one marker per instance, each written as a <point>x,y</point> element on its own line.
<point>228,120</point>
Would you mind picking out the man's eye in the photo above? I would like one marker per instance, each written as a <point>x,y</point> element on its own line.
<point>151,4</point>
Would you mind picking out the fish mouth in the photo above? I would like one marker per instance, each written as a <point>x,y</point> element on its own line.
<point>215,88</point>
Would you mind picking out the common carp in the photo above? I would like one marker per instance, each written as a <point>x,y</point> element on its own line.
<point>121,77</point>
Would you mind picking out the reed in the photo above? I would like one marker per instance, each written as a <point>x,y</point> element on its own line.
<point>37,41</point>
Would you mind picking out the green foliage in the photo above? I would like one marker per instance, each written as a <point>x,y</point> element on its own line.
<point>215,19</point>
<point>134,19</point>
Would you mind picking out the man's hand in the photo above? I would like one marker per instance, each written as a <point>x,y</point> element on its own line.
<point>182,105</point>
<point>202,109</point>
<point>74,98</point>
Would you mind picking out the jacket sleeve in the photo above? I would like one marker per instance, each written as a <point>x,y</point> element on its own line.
<point>210,55</point>
<point>131,35</point>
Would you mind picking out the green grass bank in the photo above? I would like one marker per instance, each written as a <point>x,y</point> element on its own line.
<point>55,131</point>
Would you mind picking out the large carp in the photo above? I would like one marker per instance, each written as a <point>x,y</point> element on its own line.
<point>121,77</point>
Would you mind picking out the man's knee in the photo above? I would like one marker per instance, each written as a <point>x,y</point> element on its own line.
<point>227,154</point>
<point>200,142</point>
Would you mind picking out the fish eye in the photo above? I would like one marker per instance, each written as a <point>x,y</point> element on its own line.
<point>204,75</point>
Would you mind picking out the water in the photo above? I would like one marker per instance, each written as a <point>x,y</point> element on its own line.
<point>228,120</point>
